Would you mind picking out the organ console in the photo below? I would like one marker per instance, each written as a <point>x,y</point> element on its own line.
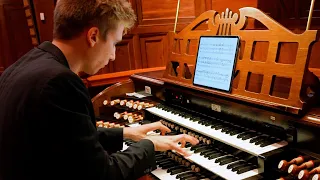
<point>265,128</point>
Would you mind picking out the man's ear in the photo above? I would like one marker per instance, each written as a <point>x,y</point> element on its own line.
<point>93,36</point>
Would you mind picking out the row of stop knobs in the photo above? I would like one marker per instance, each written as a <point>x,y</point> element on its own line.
<point>128,103</point>
<point>301,167</point>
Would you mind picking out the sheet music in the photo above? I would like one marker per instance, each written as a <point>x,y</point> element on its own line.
<point>215,60</point>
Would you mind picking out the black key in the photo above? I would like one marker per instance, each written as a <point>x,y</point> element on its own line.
<point>207,123</point>
<point>188,145</point>
<point>175,167</point>
<point>170,161</point>
<point>232,133</point>
<point>235,164</point>
<point>266,143</point>
<point>176,171</point>
<point>255,139</point>
<point>239,167</point>
<point>225,129</point>
<point>195,119</point>
<point>246,169</point>
<point>227,161</point>
<point>208,151</point>
<point>217,126</point>
<point>185,175</point>
<point>198,150</point>
<point>166,166</point>
<point>163,160</point>
<point>223,158</point>
<point>247,135</point>
<point>196,146</point>
<point>213,151</point>
<point>172,133</point>
<point>216,155</point>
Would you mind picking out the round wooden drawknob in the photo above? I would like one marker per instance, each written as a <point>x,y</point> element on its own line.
<point>303,174</point>
<point>123,102</point>
<point>316,177</point>
<point>283,164</point>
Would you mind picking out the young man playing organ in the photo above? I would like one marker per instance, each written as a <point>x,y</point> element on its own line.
<point>47,123</point>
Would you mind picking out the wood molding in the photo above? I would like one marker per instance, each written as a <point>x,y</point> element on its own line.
<point>31,23</point>
<point>112,78</point>
<point>45,27</point>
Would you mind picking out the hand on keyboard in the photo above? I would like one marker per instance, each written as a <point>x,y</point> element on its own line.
<point>164,143</point>
<point>137,133</point>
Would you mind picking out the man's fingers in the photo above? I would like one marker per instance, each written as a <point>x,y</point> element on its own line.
<point>164,129</point>
<point>183,143</point>
<point>178,149</point>
<point>186,138</point>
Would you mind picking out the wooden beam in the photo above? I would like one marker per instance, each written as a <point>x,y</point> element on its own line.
<point>112,78</point>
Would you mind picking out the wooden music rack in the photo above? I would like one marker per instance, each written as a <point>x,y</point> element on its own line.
<point>181,62</point>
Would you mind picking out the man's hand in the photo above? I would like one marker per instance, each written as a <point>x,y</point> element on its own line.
<point>164,143</point>
<point>137,133</point>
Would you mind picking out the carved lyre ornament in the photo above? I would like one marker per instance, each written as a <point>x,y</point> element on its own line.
<point>227,23</point>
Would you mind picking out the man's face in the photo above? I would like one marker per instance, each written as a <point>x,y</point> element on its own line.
<point>103,51</point>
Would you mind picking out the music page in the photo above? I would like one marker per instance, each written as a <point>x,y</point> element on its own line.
<point>215,62</point>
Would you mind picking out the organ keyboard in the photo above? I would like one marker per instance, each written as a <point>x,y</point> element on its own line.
<point>240,137</point>
<point>251,133</point>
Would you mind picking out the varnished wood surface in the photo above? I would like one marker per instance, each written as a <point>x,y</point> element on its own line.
<point>311,117</point>
<point>271,67</point>
<point>117,89</point>
<point>111,78</point>
<point>45,27</point>
<point>31,23</point>
<point>15,40</point>
<point>145,45</point>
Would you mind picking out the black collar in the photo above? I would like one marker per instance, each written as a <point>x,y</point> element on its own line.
<point>55,51</point>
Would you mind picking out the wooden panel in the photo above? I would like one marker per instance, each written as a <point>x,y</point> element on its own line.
<point>161,15</point>
<point>292,14</point>
<point>304,8</point>
<point>15,40</point>
<point>166,9</point>
<point>153,51</point>
<point>221,5</point>
<point>45,27</point>
<point>124,57</point>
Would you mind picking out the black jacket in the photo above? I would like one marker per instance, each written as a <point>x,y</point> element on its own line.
<point>47,126</point>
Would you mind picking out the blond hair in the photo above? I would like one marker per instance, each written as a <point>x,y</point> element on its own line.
<point>72,17</point>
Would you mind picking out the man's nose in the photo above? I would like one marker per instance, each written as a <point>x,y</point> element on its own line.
<point>113,56</point>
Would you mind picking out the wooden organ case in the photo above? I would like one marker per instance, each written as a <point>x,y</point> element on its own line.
<point>266,128</point>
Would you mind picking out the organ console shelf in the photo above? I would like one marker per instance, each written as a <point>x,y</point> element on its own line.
<point>250,129</point>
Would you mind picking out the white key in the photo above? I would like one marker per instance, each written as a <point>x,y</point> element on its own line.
<point>162,174</point>
<point>219,170</point>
